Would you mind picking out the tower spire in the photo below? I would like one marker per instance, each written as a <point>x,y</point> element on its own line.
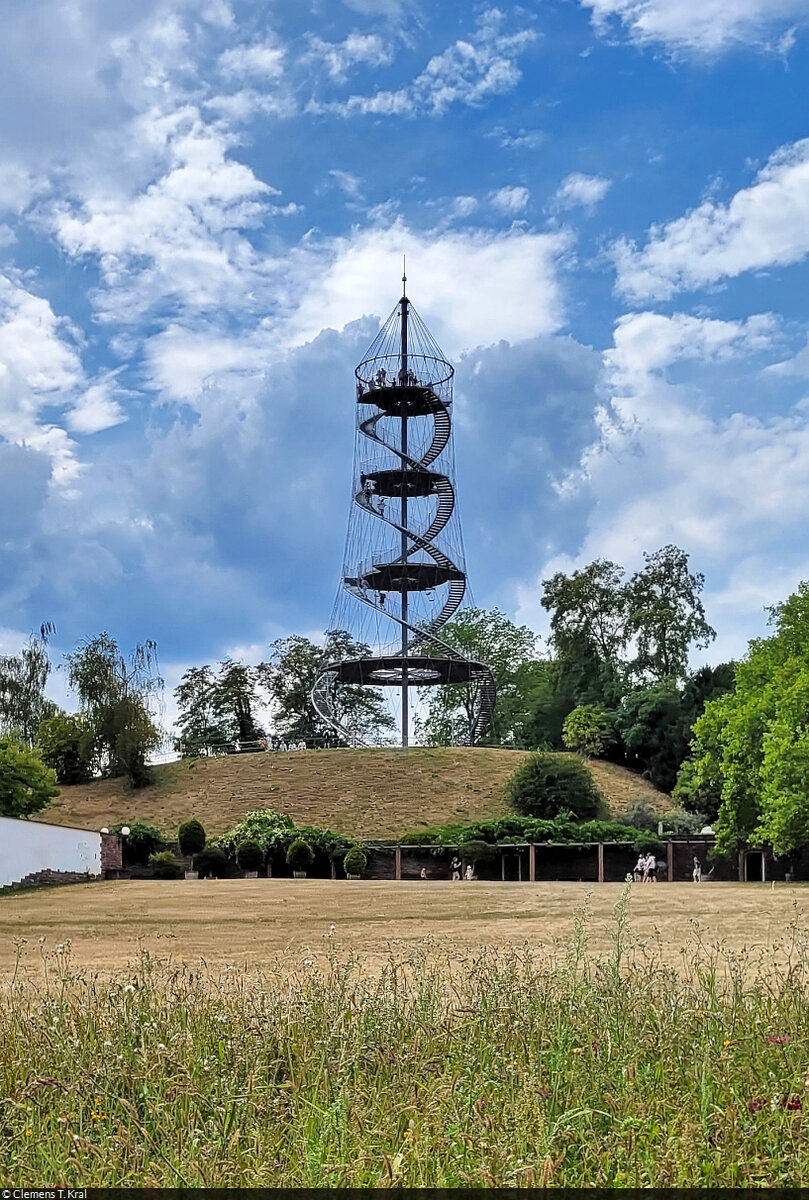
<point>404,275</point>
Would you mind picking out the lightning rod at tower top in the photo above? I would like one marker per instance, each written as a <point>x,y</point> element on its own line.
<point>404,569</point>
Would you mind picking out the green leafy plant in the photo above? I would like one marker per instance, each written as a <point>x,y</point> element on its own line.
<point>165,865</point>
<point>355,861</point>
<point>300,855</point>
<point>191,836</point>
<point>646,844</point>
<point>640,815</point>
<point>26,784</point>
<point>272,830</point>
<point>547,785</point>
<point>61,741</point>
<point>250,856</point>
<point>211,861</point>
<point>588,730</point>
<point>141,842</point>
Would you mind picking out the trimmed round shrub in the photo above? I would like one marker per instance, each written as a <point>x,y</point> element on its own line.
<point>165,865</point>
<point>250,856</point>
<point>355,861</point>
<point>211,861</point>
<point>547,785</point>
<point>191,836</point>
<point>300,855</point>
<point>140,843</point>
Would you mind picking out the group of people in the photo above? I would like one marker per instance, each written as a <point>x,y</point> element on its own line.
<point>645,869</point>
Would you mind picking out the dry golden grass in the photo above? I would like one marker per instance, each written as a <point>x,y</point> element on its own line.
<point>366,793</point>
<point>256,923</point>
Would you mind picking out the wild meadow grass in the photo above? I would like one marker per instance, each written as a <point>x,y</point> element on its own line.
<point>492,1069</point>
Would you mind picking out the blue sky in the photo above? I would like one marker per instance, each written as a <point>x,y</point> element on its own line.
<point>203,208</point>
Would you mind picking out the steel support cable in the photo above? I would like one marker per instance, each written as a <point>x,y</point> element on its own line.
<point>404,396</point>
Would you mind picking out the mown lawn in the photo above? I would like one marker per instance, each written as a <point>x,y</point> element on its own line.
<point>501,1067</point>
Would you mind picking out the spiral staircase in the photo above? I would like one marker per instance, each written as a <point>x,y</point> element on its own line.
<point>404,542</point>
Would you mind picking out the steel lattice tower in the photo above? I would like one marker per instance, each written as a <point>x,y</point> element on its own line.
<point>404,570</point>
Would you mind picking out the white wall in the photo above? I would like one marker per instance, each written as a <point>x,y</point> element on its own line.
<point>29,846</point>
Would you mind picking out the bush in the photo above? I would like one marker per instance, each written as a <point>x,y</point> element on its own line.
<point>300,855</point>
<point>26,784</point>
<point>646,844</point>
<point>165,865</point>
<point>250,856</point>
<point>140,843</point>
<point>62,741</point>
<point>588,730</point>
<point>191,836</point>
<point>679,822</point>
<point>355,861</point>
<point>547,785</point>
<point>211,861</point>
<point>641,816</point>
<point>270,829</point>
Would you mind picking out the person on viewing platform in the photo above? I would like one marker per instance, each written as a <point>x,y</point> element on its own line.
<point>455,867</point>
<point>470,872</point>
<point>651,869</point>
<point>639,869</point>
<point>423,873</point>
<point>696,874</point>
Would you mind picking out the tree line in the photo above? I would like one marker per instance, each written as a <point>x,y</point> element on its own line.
<point>613,681</point>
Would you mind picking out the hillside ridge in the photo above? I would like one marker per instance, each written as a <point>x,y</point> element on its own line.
<point>365,793</point>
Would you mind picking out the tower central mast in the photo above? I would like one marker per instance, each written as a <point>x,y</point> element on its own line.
<point>404,381</point>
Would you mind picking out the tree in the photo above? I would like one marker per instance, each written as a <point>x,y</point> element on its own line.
<point>549,784</point>
<point>26,784</point>
<point>655,732</point>
<point>62,742</point>
<point>249,855</point>
<point>588,730</point>
<point>191,837</point>
<point>665,616</point>
<point>751,746</point>
<point>589,629</point>
<point>289,676</point>
<point>23,703</point>
<point>199,718</point>
<point>114,694</point>
<point>234,698</point>
<point>509,651</point>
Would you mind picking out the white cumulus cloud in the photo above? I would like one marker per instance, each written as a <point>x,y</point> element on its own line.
<point>578,190</point>
<point>764,225</point>
<point>510,199</point>
<point>701,26</point>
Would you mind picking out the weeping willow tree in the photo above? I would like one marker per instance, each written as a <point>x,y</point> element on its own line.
<point>117,695</point>
<point>23,676</point>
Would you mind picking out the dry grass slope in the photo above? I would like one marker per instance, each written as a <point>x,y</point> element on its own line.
<point>370,793</point>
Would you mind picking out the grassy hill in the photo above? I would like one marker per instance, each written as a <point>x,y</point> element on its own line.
<point>371,793</point>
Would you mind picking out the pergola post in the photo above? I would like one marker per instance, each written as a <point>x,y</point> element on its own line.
<point>398,862</point>
<point>600,862</point>
<point>532,863</point>
<point>670,860</point>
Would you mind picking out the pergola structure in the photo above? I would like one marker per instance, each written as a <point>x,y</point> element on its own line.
<point>404,570</point>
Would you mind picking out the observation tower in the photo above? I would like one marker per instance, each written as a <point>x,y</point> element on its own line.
<point>404,569</point>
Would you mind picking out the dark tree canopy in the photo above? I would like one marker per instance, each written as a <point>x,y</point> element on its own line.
<point>509,650</point>
<point>665,615</point>
<point>289,676</point>
<point>115,694</point>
